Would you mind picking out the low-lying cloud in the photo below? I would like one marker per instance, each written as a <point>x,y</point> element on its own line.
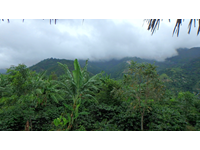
<point>35,40</point>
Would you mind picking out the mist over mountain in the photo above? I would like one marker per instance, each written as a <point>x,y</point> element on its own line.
<point>180,73</point>
<point>116,67</point>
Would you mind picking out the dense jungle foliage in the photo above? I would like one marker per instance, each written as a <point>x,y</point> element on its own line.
<point>80,101</point>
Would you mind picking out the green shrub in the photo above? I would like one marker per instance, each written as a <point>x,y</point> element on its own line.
<point>105,95</point>
<point>164,118</point>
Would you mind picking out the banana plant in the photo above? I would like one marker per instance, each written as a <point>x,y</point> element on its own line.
<point>35,84</point>
<point>65,124</point>
<point>78,86</point>
<point>50,90</point>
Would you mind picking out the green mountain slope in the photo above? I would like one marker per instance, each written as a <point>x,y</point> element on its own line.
<point>118,70</point>
<point>115,67</point>
<point>51,65</point>
<point>180,73</point>
<point>184,56</point>
<point>185,77</point>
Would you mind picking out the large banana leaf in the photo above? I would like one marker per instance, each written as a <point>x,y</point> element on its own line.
<point>80,83</point>
<point>67,72</point>
<point>77,74</point>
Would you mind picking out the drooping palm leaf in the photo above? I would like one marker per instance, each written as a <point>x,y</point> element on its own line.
<point>41,76</point>
<point>8,20</point>
<point>152,23</point>
<point>92,80</point>
<point>67,72</point>
<point>85,72</point>
<point>77,74</point>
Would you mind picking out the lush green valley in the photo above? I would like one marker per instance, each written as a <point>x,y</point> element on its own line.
<point>65,95</point>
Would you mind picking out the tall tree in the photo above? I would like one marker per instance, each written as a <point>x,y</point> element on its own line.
<point>147,86</point>
<point>18,76</point>
<point>142,87</point>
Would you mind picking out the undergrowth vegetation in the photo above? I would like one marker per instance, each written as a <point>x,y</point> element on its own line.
<point>77,101</point>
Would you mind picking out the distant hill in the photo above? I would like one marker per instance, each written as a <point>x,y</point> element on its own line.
<point>180,73</point>
<point>118,70</point>
<point>3,71</point>
<point>185,55</point>
<point>185,71</point>
<point>185,77</point>
<point>115,67</point>
<point>51,65</point>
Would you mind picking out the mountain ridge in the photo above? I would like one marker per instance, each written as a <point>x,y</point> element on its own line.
<point>116,67</point>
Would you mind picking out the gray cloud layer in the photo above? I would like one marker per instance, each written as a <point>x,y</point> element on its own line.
<point>35,40</point>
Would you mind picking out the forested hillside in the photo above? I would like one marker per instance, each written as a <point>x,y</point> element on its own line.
<point>66,95</point>
<point>181,70</point>
<point>113,67</point>
<point>51,65</point>
<point>185,55</point>
<point>77,101</point>
<point>185,77</point>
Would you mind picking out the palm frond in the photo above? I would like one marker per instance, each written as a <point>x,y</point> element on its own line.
<point>54,98</point>
<point>153,23</point>
<point>67,72</point>
<point>38,91</point>
<point>23,20</point>
<point>90,96</point>
<point>66,87</point>
<point>77,74</point>
<point>85,67</point>
<point>198,28</point>
<point>60,94</point>
<point>95,79</point>
<point>41,76</point>
<point>178,22</point>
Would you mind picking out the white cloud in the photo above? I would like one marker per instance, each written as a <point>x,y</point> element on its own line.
<point>35,40</point>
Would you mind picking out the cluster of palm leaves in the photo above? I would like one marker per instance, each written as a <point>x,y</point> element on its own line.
<point>78,86</point>
<point>153,23</point>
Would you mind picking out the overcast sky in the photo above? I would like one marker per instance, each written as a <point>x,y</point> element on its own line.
<point>34,40</point>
